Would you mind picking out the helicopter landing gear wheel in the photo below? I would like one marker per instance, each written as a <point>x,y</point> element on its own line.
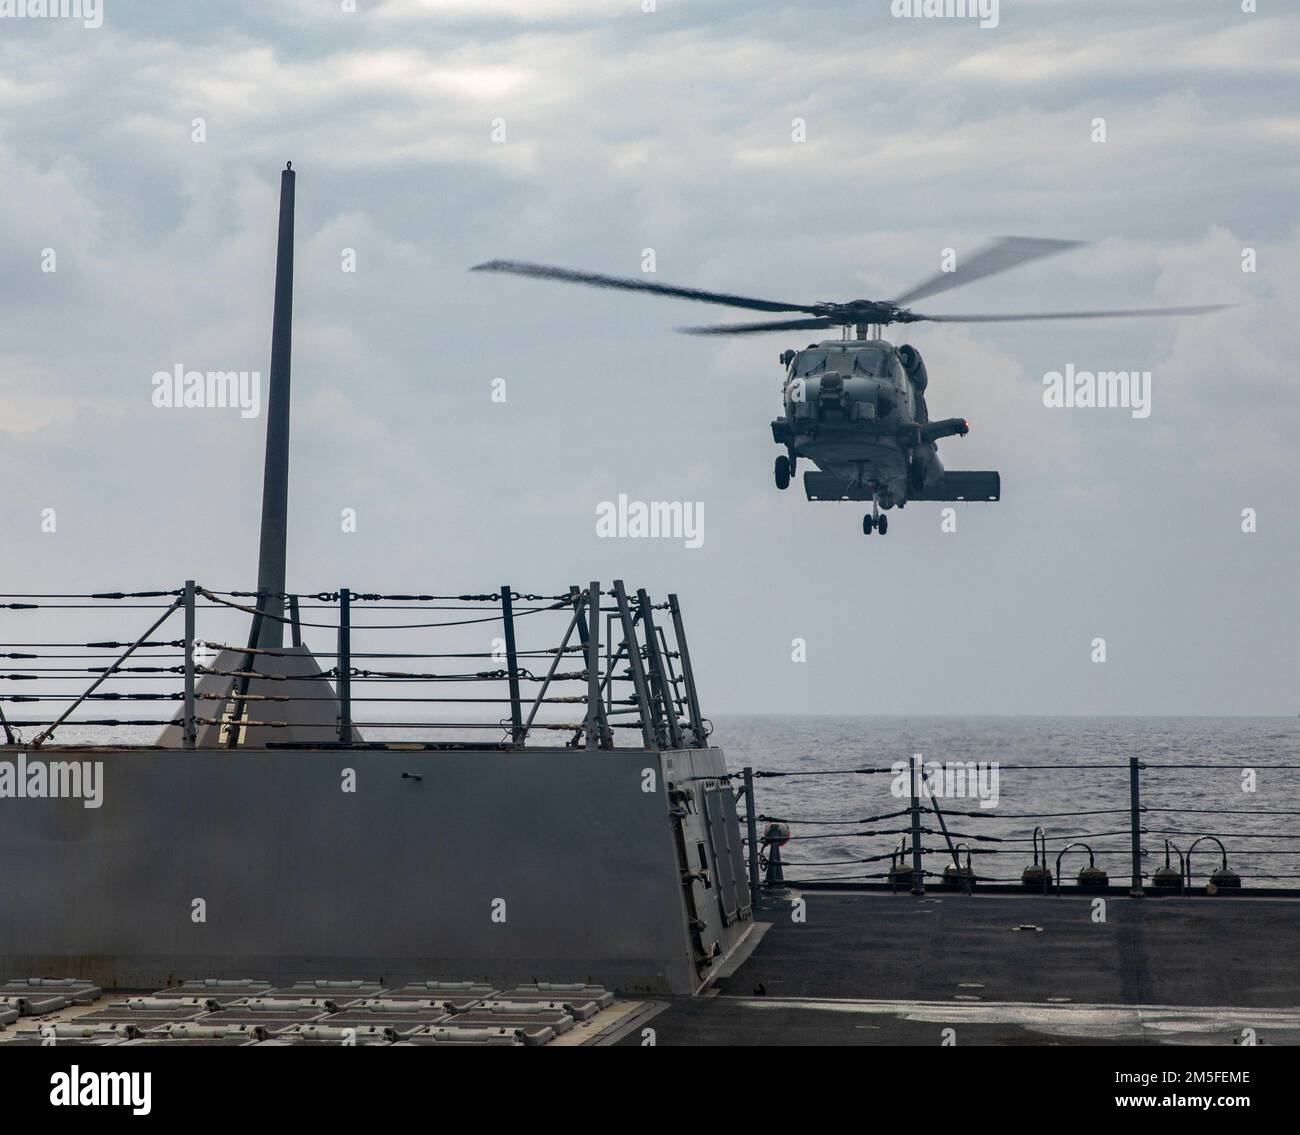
<point>874,520</point>
<point>782,472</point>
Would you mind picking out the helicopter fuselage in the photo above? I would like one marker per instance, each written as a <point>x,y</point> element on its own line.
<point>857,410</point>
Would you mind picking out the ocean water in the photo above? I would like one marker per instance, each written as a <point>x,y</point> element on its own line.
<point>1257,816</point>
<point>824,802</point>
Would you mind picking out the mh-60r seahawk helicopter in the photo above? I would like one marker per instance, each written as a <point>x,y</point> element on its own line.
<point>855,407</point>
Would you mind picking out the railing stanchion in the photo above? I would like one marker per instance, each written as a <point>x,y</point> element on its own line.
<point>1135,824</point>
<point>512,666</point>
<point>918,880</point>
<point>751,824</point>
<point>640,688</point>
<point>698,736</point>
<point>190,726</point>
<point>232,731</point>
<point>658,672</point>
<point>295,623</point>
<point>610,661</point>
<point>592,722</point>
<point>345,665</point>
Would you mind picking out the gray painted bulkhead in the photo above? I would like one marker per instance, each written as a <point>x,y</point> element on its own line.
<point>395,881</point>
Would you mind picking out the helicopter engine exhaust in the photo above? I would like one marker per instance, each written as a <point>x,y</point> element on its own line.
<point>914,366</point>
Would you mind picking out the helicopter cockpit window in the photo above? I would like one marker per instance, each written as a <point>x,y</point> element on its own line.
<point>874,364</point>
<point>811,362</point>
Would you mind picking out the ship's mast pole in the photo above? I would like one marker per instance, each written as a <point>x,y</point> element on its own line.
<point>275,477</point>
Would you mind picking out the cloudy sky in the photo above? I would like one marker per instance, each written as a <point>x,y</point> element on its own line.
<point>671,130</point>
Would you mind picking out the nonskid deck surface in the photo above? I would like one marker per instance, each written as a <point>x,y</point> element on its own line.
<point>879,969</point>
<point>308,1014</point>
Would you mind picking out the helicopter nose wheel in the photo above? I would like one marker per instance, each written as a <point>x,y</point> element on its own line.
<point>782,472</point>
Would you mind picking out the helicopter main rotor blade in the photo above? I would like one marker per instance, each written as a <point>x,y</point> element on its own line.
<point>751,328</point>
<point>1121,313</point>
<point>1000,256</point>
<point>598,280</point>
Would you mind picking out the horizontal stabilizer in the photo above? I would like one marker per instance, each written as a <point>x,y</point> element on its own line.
<point>970,486</point>
<point>828,487</point>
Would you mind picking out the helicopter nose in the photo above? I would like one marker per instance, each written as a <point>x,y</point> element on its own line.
<point>882,394</point>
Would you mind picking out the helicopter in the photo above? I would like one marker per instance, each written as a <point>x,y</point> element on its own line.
<point>855,407</point>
